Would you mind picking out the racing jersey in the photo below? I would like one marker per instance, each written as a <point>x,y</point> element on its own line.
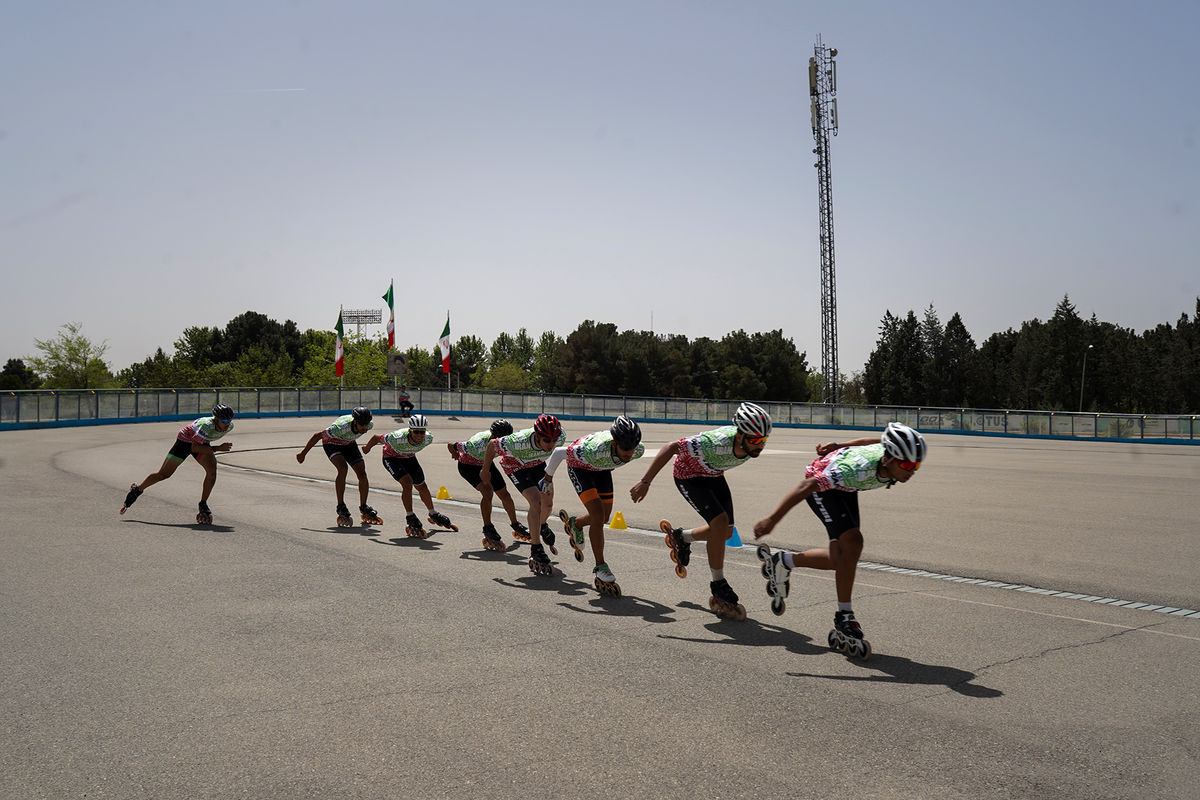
<point>595,452</point>
<point>850,469</point>
<point>202,431</point>
<point>397,445</point>
<point>516,451</point>
<point>341,431</point>
<point>708,454</point>
<point>471,451</point>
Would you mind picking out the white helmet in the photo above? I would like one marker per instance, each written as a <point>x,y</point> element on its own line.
<point>418,422</point>
<point>903,443</point>
<point>752,420</point>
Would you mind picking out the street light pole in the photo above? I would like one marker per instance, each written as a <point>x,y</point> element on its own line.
<point>1083,376</point>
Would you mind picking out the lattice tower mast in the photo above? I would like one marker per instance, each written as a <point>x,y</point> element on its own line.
<point>822,85</point>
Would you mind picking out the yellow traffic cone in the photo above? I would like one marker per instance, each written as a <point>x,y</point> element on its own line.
<point>442,493</point>
<point>618,522</point>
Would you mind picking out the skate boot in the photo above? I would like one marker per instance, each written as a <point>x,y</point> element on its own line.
<point>204,515</point>
<point>539,562</point>
<point>412,527</point>
<point>440,520</point>
<point>369,516</point>
<point>606,583</point>
<point>521,533</point>
<point>343,519</point>
<point>847,636</point>
<point>548,538</point>
<point>131,498</point>
<point>574,534</point>
<point>492,540</point>
<point>724,600</point>
<point>681,551</point>
<point>776,573</point>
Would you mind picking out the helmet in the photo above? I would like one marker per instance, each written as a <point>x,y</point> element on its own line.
<point>361,414</point>
<point>223,412</point>
<point>501,427</point>
<point>548,427</point>
<point>626,433</point>
<point>752,420</point>
<point>903,443</point>
<point>418,422</point>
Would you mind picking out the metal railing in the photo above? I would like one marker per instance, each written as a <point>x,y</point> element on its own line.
<point>46,408</point>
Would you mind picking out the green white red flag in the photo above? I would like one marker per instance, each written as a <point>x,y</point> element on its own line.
<point>339,351</point>
<point>444,343</point>
<point>391,326</point>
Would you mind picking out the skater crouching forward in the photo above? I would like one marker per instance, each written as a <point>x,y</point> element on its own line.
<point>194,440</point>
<point>701,462</point>
<point>830,486</point>
<point>339,441</point>
<point>400,448</point>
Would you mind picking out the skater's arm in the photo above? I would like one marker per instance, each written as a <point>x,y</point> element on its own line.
<point>554,460</point>
<point>665,454</point>
<point>825,448</point>
<point>803,489</point>
<point>374,440</point>
<point>312,441</point>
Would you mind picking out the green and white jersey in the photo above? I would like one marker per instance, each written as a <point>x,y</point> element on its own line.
<point>397,445</point>
<point>517,450</point>
<point>472,451</point>
<point>595,452</point>
<point>342,431</point>
<point>708,454</point>
<point>202,431</point>
<point>850,469</point>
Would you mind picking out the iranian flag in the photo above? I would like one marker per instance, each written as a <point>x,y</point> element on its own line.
<point>444,343</point>
<point>339,351</point>
<point>391,328</point>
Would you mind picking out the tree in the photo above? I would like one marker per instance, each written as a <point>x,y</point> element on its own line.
<point>468,361</point>
<point>17,376</point>
<point>71,361</point>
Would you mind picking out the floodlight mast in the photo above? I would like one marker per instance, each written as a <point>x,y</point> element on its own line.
<point>822,87</point>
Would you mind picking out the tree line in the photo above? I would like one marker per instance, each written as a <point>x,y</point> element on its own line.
<point>1063,363</point>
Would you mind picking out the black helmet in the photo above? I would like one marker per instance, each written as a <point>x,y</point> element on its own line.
<point>222,412</point>
<point>501,427</point>
<point>361,414</point>
<point>626,433</point>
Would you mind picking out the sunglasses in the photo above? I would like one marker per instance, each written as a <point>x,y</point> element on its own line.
<point>909,466</point>
<point>756,440</point>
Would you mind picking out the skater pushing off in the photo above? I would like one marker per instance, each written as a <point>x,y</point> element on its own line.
<point>701,462</point>
<point>590,461</point>
<point>830,487</point>
<point>194,440</point>
<point>523,458</point>
<point>340,443</point>
<point>469,457</point>
<point>400,448</point>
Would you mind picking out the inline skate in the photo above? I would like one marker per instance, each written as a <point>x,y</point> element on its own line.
<point>131,497</point>
<point>521,533</point>
<point>606,582</point>
<point>539,562</point>
<point>724,600</point>
<point>776,573</point>
<point>681,551</point>
<point>440,520</point>
<point>548,537</point>
<point>343,516</point>
<point>574,534</point>
<point>204,514</point>
<point>492,540</point>
<point>369,516</point>
<point>412,527</point>
<point>847,636</point>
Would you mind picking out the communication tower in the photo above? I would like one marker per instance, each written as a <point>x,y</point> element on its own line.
<point>822,87</point>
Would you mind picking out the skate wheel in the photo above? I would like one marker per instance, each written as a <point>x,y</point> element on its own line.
<point>778,606</point>
<point>681,570</point>
<point>579,555</point>
<point>764,555</point>
<point>666,528</point>
<point>835,643</point>
<point>740,613</point>
<point>865,650</point>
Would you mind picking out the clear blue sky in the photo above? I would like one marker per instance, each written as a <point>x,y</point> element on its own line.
<point>641,162</point>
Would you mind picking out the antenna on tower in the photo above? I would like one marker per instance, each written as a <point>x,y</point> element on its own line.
<point>822,89</point>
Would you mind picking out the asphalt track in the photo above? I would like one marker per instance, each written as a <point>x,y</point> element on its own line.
<point>274,655</point>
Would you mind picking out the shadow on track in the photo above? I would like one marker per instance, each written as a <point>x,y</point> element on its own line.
<point>192,526</point>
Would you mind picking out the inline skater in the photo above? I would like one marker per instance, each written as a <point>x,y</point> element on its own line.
<point>195,440</point>
<point>701,462</point>
<point>830,486</point>
<point>400,448</point>
<point>523,458</point>
<point>469,456</point>
<point>590,461</point>
<point>339,441</point>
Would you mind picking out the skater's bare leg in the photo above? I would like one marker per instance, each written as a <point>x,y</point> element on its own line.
<point>597,518</point>
<point>364,486</point>
<point>406,487</point>
<point>339,482</point>
<point>841,556</point>
<point>485,503</point>
<point>510,507</point>
<point>714,535</point>
<point>426,497</point>
<point>209,462</point>
<point>167,469</point>
<point>534,516</point>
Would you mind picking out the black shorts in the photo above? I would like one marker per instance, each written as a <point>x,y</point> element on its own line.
<point>591,484</point>
<point>709,496</point>
<point>181,450</point>
<point>473,474</point>
<point>837,509</point>
<point>350,452</point>
<point>529,477</point>
<point>405,467</point>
